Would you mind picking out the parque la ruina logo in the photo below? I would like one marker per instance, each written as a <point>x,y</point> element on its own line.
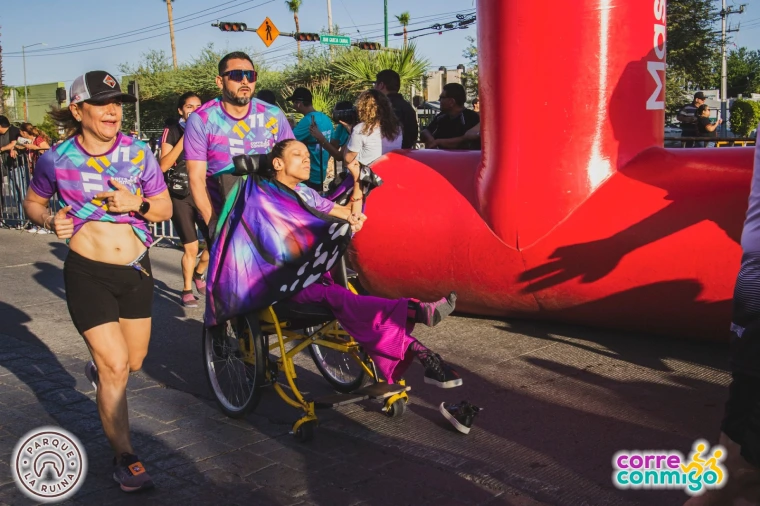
<point>48,464</point>
<point>660,469</point>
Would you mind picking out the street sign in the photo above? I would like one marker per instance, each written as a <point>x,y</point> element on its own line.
<point>268,32</point>
<point>334,40</point>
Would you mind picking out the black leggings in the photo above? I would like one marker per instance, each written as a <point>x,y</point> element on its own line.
<point>99,293</point>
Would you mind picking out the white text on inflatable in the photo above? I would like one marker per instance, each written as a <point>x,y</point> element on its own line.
<point>657,68</point>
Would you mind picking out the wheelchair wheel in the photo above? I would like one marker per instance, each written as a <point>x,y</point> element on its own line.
<point>397,409</point>
<point>339,369</point>
<point>235,365</point>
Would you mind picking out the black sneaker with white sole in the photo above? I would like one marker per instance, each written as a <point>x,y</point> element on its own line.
<point>91,371</point>
<point>439,373</point>
<point>460,415</point>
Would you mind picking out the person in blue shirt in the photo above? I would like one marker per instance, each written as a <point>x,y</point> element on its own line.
<point>302,103</point>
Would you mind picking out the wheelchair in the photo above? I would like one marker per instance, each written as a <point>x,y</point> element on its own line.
<point>241,362</point>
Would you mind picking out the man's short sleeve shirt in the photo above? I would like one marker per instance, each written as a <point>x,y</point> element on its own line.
<point>212,135</point>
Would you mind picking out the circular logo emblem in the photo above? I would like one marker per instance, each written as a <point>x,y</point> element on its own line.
<point>49,464</point>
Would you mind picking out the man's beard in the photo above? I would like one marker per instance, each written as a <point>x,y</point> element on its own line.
<point>237,100</point>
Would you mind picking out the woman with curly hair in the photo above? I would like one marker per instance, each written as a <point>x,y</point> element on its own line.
<point>377,132</point>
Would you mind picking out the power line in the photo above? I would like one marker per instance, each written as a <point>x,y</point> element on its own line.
<point>142,39</point>
<point>130,33</point>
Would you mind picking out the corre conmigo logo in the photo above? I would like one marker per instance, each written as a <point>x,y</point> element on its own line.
<point>49,464</point>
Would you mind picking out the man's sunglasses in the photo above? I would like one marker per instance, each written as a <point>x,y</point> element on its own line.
<point>239,75</point>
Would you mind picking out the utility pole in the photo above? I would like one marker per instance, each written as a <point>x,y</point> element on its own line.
<point>724,13</point>
<point>329,17</point>
<point>23,57</point>
<point>386,22</point>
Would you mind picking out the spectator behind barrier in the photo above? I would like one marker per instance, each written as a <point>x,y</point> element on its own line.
<point>447,130</point>
<point>9,135</point>
<point>687,115</point>
<point>377,132</point>
<point>302,103</point>
<point>388,82</point>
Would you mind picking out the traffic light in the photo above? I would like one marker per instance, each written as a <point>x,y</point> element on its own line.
<point>368,46</point>
<point>60,95</point>
<point>306,37</point>
<point>227,26</point>
<point>132,88</point>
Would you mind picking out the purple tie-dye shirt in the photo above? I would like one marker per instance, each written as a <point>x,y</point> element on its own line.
<point>78,176</point>
<point>212,135</point>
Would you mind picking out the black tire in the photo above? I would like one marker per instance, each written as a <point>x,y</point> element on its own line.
<point>339,369</point>
<point>231,353</point>
<point>305,432</point>
<point>397,409</point>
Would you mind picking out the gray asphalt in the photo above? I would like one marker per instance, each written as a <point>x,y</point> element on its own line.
<point>558,402</point>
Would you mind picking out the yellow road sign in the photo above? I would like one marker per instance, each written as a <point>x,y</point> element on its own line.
<point>268,32</point>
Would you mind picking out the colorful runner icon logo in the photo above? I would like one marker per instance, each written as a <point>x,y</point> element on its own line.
<point>703,470</point>
<point>49,464</point>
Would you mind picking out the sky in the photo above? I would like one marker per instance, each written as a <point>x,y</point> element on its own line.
<point>101,35</point>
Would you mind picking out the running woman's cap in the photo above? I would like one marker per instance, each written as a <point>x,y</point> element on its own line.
<point>97,86</point>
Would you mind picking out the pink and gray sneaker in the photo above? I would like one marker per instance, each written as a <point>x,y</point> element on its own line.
<point>188,299</point>
<point>431,313</point>
<point>200,283</point>
<point>130,474</point>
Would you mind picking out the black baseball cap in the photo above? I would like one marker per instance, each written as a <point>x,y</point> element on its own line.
<point>97,86</point>
<point>700,95</point>
<point>300,94</point>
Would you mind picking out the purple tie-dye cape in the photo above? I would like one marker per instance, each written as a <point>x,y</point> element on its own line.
<point>272,245</point>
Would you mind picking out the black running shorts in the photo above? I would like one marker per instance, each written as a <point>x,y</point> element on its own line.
<point>741,421</point>
<point>99,293</point>
<point>185,216</point>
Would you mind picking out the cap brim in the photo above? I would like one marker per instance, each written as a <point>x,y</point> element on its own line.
<point>109,95</point>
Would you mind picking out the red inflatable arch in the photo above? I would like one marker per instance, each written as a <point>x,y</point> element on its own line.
<point>573,211</point>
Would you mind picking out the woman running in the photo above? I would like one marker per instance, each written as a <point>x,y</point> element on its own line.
<point>185,215</point>
<point>382,326</point>
<point>112,187</point>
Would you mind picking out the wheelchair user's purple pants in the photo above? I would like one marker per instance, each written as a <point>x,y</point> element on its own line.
<point>380,325</point>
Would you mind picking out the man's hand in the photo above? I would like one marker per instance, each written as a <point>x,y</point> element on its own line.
<point>433,144</point>
<point>14,153</point>
<point>62,225</point>
<point>315,132</point>
<point>120,201</point>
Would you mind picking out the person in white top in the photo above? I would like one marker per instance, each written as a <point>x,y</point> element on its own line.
<point>377,132</point>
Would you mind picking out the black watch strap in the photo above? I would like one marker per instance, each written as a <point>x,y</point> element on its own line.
<point>144,207</point>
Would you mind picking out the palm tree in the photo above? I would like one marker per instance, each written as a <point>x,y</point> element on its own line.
<point>354,70</point>
<point>403,20</point>
<point>293,6</point>
<point>171,31</point>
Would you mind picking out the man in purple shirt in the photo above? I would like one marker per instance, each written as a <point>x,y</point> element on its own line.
<point>231,125</point>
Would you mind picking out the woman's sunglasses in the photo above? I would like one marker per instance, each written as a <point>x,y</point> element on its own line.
<point>239,75</point>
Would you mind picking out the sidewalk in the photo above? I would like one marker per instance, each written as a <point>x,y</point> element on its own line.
<point>558,402</point>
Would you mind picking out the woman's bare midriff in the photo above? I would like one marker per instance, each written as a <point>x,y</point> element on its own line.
<point>111,243</point>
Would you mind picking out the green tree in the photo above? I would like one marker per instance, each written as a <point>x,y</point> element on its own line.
<point>160,84</point>
<point>354,70</point>
<point>693,49</point>
<point>743,68</point>
<point>471,75</point>
<point>403,20</point>
<point>294,6</point>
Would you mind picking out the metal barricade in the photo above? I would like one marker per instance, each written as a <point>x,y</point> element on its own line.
<point>14,181</point>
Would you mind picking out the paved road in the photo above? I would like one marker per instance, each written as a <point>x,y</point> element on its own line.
<point>558,402</point>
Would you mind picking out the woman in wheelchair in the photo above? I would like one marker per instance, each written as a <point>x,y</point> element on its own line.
<point>382,326</point>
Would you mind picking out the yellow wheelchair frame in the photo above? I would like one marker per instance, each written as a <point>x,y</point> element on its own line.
<point>290,343</point>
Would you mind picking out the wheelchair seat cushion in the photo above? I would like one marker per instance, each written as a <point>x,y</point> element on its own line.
<point>293,311</point>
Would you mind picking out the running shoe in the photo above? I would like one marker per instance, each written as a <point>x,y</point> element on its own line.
<point>43,231</point>
<point>200,284</point>
<point>439,373</point>
<point>91,371</point>
<point>460,415</point>
<point>130,474</point>
<point>188,299</point>
<point>32,230</point>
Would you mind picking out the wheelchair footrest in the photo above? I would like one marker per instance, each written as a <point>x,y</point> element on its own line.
<point>381,390</point>
<point>335,400</point>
